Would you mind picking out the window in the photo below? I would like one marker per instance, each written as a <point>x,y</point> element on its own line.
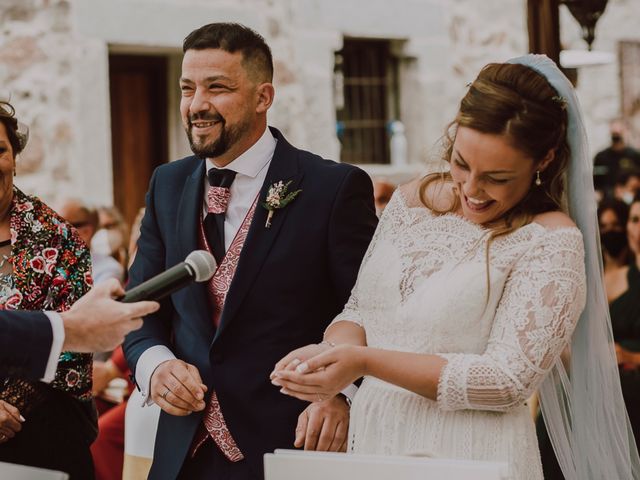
<point>365,77</point>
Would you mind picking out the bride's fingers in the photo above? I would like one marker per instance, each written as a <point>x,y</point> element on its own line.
<point>293,364</point>
<point>307,397</point>
<point>313,379</point>
<point>319,362</point>
<point>296,387</point>
<point>285,361</point>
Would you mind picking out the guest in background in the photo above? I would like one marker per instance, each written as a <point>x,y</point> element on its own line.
<point>627,186</point>
<point>44,265</point>
<point>624,306</point>
<point>382,192</point>
<point>617,158</point>
<point>85,220</point>
<point>612,219</point>
<point>104,266</point>
<point>111,237</point>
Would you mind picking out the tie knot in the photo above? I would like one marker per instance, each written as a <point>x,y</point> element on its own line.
<point>221,177</point>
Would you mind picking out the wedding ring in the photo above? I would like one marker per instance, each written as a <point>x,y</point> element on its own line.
<point>164,395</point>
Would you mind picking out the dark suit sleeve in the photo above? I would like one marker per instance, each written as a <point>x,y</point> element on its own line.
<point>25,344</point>
<point>149,261</point>
<point>353,221</point>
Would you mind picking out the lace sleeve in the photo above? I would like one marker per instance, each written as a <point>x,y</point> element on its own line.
<point>354,310</point>
<point>540,306</point>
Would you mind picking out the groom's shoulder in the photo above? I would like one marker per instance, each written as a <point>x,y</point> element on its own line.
<point>178,168</point>
<point>325,169</point>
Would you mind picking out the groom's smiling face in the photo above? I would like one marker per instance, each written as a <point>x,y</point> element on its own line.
<point>218,104</point>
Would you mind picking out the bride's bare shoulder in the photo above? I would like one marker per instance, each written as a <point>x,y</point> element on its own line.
<point>438,193</point>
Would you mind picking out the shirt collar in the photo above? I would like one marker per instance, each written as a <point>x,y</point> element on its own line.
<point>251,162</point>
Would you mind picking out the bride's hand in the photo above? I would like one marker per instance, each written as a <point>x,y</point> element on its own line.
<point>298,356</point>
<point>324,375</point>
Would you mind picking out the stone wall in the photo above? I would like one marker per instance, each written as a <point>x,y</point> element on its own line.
<point>36,74</point>
<point>54,64</point>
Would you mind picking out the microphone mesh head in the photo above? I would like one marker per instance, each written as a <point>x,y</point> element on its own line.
<point>203,264</point>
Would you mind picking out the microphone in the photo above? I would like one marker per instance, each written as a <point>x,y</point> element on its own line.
<point>199,266</point>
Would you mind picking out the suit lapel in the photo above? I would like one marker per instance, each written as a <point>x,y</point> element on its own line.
<point>187,224</point>
<point>284,167</point>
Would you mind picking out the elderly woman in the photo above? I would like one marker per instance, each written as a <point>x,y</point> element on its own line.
<point>43,266</point>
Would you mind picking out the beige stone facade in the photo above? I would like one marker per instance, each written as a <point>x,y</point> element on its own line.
<point>54,64</point>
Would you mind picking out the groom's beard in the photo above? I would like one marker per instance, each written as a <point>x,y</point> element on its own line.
<point>219,146</point>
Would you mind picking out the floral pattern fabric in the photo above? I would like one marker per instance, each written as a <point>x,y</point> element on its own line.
<point>51,269</point>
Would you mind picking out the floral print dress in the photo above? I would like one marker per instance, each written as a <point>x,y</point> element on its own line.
<point>46,266</point>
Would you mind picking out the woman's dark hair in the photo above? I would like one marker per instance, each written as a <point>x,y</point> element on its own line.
<point>618,207</point>
<point>234,37</point>
<point>10,122</point>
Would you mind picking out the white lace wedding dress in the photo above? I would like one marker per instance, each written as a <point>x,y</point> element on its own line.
<point>422,288</point>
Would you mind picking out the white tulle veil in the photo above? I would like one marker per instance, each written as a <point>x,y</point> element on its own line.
<point>582,404</point>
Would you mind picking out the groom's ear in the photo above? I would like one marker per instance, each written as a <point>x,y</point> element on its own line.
<point>264,95</point>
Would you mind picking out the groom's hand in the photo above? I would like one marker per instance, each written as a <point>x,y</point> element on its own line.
<point>323,426</point>
<point>176,387</point>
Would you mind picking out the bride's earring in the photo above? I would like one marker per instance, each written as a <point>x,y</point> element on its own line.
<point>538,180</point>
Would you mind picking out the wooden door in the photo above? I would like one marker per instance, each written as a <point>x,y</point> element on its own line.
<point>138,88</point>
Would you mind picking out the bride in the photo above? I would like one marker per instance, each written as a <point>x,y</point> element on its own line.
<point>472,297</point>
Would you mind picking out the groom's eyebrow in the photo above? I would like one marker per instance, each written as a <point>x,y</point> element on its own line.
<point>213,78</point>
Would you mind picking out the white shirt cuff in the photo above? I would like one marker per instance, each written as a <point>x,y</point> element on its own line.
<point>350,392</point>
<point>147,364</point>
<point>57,327</point>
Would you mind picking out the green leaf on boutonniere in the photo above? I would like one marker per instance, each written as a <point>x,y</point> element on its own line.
<point>277,197</point>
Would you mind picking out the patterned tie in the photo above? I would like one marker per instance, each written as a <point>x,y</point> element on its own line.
<point>217,202</point>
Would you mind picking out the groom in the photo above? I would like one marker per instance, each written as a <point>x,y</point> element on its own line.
<point>288,230</point>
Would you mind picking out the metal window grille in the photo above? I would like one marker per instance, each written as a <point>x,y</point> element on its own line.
<point>365,97</point>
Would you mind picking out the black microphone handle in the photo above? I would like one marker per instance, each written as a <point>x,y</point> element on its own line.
<point>161,285</point>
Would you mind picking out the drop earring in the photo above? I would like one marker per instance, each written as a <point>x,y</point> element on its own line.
<point>538,180</point>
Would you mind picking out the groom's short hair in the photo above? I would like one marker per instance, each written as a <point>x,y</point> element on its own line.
<point>234,37</point>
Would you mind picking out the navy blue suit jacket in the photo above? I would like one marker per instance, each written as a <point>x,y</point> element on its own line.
<point>25,344</point>
<point>291,280</point>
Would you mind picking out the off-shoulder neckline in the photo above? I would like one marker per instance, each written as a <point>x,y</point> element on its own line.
<point>460,218</point>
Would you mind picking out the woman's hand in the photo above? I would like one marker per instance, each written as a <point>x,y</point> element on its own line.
<point>324,375</point>
<point>296,357</point>
<point>10,421</point>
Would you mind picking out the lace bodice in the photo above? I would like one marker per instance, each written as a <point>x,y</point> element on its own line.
<point>426,285</point>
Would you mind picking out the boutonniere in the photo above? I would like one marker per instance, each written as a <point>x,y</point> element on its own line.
<point>277,197</point>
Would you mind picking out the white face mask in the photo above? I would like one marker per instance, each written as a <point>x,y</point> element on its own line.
<point>106,241</point>
<point>627,197</point>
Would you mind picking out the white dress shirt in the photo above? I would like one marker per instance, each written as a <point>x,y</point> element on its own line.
<point>251,168</point>
<point>57,327</point>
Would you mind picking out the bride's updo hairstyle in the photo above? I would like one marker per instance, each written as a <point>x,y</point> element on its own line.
<point>517,102</point>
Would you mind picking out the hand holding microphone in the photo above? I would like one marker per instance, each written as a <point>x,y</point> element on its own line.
<point>199,266</point>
